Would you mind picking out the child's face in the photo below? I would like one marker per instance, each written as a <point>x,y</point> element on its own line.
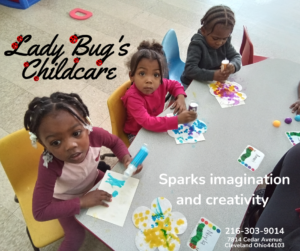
<point>147,77</point>
<point>218,37</point>
<point>64,136</point>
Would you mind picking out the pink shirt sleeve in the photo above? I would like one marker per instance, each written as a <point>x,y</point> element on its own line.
<point>151,123</point>
<point>101,137</point>
<point>43,206</point>
<point>174,87</point>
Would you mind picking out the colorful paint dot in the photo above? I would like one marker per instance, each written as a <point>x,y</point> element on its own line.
<point>145,225</point>
<point>214,228</point>
<point>140,214</point>
<point>253,169</point>
<point>115,193</point>
<point>218,230</point>
<point>147,212</point>
<point>202,220</point>
<point>180,222</point>
<point>154,205</point>
<point>176,230</point>
<point>206,222</point>
<point>210,225</point>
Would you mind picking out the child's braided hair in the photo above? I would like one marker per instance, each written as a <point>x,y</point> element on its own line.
<point>40,107</point>
<point>152,51</point>
<point>219,14</point>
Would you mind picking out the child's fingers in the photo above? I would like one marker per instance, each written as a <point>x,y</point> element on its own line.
<point>139,168</point>
<point>102,203</point>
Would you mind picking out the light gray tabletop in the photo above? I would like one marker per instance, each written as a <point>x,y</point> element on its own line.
<point>270,87</point>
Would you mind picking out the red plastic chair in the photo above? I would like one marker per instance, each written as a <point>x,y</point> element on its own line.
<point>247,50</point>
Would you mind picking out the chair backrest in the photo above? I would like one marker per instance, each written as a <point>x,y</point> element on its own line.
<point>170,46</point>
<point>117,111</point>
<point>20,162</point>
<point>246,49</point>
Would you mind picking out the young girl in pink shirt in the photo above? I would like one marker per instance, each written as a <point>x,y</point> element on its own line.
<point>68,166</point>
<point>145,98</point>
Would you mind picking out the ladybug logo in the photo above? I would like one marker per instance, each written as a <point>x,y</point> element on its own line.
<point>14,45</point>
<point>74,39</point>
<point>99,62</point>
<point>36,78</point>
<point>20,38</point>
<point>76,60</point>
<point>26,64</point>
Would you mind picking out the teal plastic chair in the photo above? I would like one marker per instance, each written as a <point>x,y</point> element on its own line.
<point>171,49</point>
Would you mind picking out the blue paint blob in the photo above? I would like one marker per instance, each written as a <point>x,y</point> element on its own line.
<point>115,182</point>
<point>115,193</point>
<point>218,230</point>
<point>297,118</point>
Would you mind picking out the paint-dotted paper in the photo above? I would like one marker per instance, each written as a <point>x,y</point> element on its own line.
<point>188,133</point>
<point>251,158</point>
<point>228,93</point>
<point>294,137</point>
<point>123,192</point>
<point>204,236</point>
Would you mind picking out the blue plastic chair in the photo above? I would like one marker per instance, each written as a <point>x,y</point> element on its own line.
<point>19,4</point>
<point>171,49</point>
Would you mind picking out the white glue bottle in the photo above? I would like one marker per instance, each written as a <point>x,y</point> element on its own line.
<point>137,160</point>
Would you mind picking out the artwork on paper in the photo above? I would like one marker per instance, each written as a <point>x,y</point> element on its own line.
<point>122,192</point>
<point>228,93</point>
<point>189,133</point>
<point>204,236</point>
<point>158,226</point>
<point>294,137</point>
<point>251,158</point>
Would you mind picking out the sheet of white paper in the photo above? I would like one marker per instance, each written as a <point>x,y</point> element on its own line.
<point>227,94</point>
<point>188,133</point>
<point>294,137</point>
<point>118,208</point>
<point>204,236</point>
<point>251,158</point>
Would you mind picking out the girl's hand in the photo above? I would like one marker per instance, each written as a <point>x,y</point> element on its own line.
<point>95,198</point>
<point>220,76</point>
<point>186,117</point>
<point>127,160</point>
<point>296,107</point>
<point>179,105</point>
<point>229,69</point>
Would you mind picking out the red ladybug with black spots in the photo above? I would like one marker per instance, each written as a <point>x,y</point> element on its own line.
<point>74,39</point>
<point>20,38</point>
<point>99,62</point>
<point>15,45</point>
<point>76,60</point>
<point>36,78</point>
<point>26,64</point>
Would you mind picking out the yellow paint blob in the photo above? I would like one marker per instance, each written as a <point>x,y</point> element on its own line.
<point>276,123</point>
<point>162,198</point>
<point>135,216</point>
<point>136,223</point>
<point>147,212</point>
<point>145,225</point>
<point>154,205</point>
<point>146,218</point>
<point>160,235</point>
<point>180,222</point>
<point>142,219</point>
<point>176,230</point>
<point>210,225</point>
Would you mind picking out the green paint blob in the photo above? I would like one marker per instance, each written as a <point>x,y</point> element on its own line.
<point>247,154</point>
<point>199,232</point>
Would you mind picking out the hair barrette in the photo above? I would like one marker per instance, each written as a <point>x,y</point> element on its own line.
<point>33,139</point>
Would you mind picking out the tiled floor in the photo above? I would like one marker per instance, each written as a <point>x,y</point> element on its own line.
<point>273,26</point>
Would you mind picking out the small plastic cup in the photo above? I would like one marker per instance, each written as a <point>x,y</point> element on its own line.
<point>225,62</point>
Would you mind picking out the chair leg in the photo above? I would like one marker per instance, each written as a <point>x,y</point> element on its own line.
<point>102,157</point>
<point>34,247</point>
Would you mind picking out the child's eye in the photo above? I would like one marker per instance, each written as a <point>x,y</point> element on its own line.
<point>55,143</point>
<point>142,73</point>
<point>157,75</point>
<point>76,134</point>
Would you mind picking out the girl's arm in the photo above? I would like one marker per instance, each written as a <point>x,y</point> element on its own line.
<point>156,124</point>
<point>101,137</point>
<point>43,206</point>
<point>177,91</point>
<point>192,70</point>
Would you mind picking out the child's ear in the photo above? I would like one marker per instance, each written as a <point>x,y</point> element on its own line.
<point>131,78</point>
<point>203,31</point>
